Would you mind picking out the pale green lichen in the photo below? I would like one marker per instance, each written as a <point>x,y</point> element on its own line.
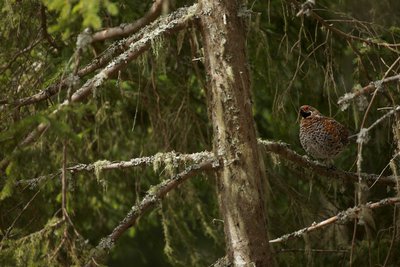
<point>98,166</point>
<point>169,160</point>
<point>158,46</point>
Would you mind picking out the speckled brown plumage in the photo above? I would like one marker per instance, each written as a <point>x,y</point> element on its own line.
<point>321,137</point>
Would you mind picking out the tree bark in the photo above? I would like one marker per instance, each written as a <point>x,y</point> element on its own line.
<point>240,180</point>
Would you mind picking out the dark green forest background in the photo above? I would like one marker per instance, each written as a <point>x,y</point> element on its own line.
<point>157,104</point>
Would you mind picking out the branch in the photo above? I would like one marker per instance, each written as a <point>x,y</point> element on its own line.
<point>175,21</point>
<point>342,216</point>
<point>362,136</point>
<point>309,12</point>
<point>164,158</point>
<point>222,262</point>
<point>344,100</point>
<point>173,158</point>
<point>284,151</point>
<point>126,29</point>
<point>178,21</point>
<point>153,196</point>
<point>43,21</point>
<point>14,58</point>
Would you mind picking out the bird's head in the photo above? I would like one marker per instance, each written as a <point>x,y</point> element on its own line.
<point>307,111</point>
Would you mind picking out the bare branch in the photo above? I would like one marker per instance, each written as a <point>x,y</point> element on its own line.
<point>363,132</point>
<point>370,88</point>
<point>284,151</point>
<point>126,29</point>
<point>153,196</point>
<point>343,216</point>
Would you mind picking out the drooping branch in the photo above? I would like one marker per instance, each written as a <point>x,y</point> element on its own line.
<point>284,151</point>
<point>306,8</point>
<point>126,29</point>
<point>182,16</point>
<point>153,196</point>
<point>174,22</point>
<point>342,217</point>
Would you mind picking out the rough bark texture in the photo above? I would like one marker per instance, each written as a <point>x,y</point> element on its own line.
<point>229,100</point>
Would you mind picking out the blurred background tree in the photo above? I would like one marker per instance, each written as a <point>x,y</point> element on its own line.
<point>156,103</point>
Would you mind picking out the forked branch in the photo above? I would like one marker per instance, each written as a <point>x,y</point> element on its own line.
<point>154,195</point>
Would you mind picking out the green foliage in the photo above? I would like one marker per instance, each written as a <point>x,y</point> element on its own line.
<point>157,105</point>
<point>88,11</point>
<point>28,250</point>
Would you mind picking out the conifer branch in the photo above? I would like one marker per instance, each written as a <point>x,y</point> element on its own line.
<point>349,37</point>
<point>165,25</point>
<point>153,197</point>
<point>284,151</point>
<point>342,217</point>
<point>126,29</point>
<point>178,21</point>
<point>170,158</point>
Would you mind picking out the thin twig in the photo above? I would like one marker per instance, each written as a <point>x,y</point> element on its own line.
<point>312,250</point>
<point>64,182</point>
<point>381,119</point>
<point>5,236</point>
<point>19,53</point>
<point>345,35</point>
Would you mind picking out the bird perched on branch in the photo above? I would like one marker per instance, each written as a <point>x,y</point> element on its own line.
<point>321,137</point>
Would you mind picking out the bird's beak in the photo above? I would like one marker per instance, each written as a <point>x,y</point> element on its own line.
<point>304,114</point>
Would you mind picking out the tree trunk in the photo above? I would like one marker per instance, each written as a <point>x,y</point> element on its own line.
<point>229,101</point>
